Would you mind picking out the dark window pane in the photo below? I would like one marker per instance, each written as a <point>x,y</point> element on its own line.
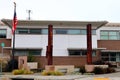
<point>74,52</point>
<point>22,31</point>
<point>3,33</point>
<point>27,52</point>
<point>35,52</point>
<point>61,31</point>
<point>35,31</point>
<point>84,52</point>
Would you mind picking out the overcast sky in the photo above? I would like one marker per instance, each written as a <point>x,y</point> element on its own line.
<point>72,10</point>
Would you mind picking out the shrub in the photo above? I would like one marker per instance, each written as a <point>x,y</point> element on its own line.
<point>98,70</point>
<point>21,71</point>
<point>82,69</point>
<point>110,70</point>
<point>4,64</point>
<point>100,62</point>
<point>31,58</point>
<point>55,73</point>
<point>10,65</point>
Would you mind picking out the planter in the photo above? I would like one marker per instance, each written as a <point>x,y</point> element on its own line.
<point>89,68</point>
<point>32,65</point>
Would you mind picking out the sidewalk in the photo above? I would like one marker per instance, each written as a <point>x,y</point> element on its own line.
<point>37,76</point>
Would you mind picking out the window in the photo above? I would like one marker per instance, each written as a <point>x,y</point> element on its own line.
<point>55,31</point>
<point>35,31</point>
<point>113,35</point>
<point>93,53</point>
<point>83,32</point>
<point>93,32</point>
<point>73,31</point>
<point>110,56</point>
<point>44,31</point>
<point>3,33</point>
<point>109,35</point>
<point>80,52</point>
<point>34,52</point>
<point>104,35</point>
<point>61,31</point>
<point>27,52</point>
<point>28,31</point>
<point>22,31</point>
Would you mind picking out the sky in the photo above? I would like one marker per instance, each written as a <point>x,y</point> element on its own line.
<point>67,10</point>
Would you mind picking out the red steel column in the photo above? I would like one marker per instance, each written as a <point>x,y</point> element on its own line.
<point>50,45</point>
<point>89,44</point>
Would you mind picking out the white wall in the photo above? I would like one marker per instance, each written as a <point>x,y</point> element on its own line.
<point>60,42</point>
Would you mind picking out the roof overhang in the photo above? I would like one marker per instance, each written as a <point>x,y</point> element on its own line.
<point>21,23</point>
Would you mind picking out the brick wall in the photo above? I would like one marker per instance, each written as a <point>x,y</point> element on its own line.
<point>7,44</point>
<point>64,60</point>
<point>109,44</point>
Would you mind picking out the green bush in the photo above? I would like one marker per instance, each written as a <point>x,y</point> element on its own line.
<point>82,69</point>
<point>31,58</point>
<point>21,71</point>
<point>9,66</point>
<point>99,70</point>
<point>110,70</point>
<point>48,73</point>
<point>4,64</point>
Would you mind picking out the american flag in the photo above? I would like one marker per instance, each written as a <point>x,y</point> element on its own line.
<point>14,19</point>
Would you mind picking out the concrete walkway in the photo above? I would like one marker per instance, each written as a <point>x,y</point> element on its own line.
<point>111,76</point>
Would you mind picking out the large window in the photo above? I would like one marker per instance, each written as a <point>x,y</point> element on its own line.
<point>35,31</point>
<point>3,33</point>
<point>80,52</point>
<point>60,31</point>
<point>109,35</point>
<point>27,52</point>
<point>110,56</point>
<point>73,31</point>
<point>28,31</point>
<point>55,31</point>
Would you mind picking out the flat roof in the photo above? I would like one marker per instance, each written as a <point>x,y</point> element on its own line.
<point>21,23</point>
<point>112,25</point>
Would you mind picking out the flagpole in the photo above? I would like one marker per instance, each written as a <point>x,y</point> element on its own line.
<point>13,32</point>
<point>13,51</point>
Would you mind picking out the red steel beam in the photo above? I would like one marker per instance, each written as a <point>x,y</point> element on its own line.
<point>49,51</point>
<point>89,44</point>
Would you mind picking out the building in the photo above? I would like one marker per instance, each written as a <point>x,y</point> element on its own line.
<point>69,40</point>
<point>109,38</point>
<point>5,40</point>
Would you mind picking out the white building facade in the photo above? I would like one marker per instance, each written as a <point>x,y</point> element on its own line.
<point>69,40</point>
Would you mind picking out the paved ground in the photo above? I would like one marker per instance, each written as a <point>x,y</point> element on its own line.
<point>112,76</point>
